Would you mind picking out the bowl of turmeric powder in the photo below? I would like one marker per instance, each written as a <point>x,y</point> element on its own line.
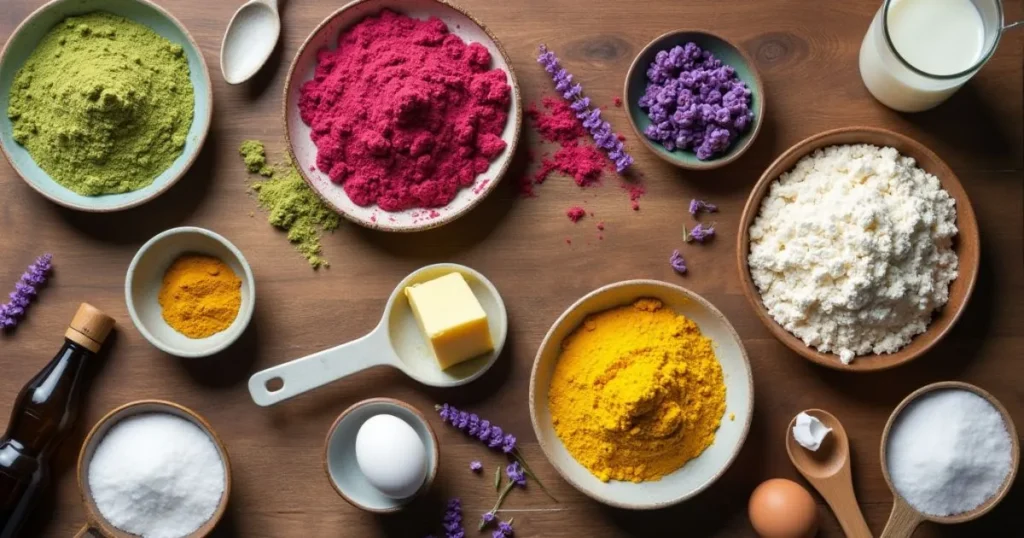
<point>190,292</point>
<point>641,394</point>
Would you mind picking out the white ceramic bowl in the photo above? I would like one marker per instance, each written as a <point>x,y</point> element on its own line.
<point>698,473</point>
<point>340,454</point>
<point>325,36</point>
<point>145,275</point>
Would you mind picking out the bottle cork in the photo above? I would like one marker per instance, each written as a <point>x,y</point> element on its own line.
<point>90,327</point>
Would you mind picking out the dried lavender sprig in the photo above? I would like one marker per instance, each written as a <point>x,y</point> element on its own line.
<point>453,519</point>
<point>493,436</point>
<point>605,139</point>
<point>677,262</point>
<point>504,530</point>
<point>25,290</point>
<point>696,206</point>
<point>701,233</point>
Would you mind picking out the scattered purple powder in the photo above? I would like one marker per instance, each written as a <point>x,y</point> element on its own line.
<point>476,466</point>
<point>695,102</point>
<point>701,233</point>
<point>697,206</point>
<point>25,290</point>
<point>599,129</point>
<point>677,262</point>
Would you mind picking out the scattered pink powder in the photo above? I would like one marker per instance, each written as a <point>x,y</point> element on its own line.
<point>404,114</point>
<point>576,213</point>
<point>483,185</point>
<point>568,241</point>
<point>600,225</point>
<point>583,163</point>
<point>617,100</point>
<point>636,190</point>
<point>560,125</point>
<point>621,137</point>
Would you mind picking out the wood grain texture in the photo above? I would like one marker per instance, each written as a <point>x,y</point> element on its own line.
<point>808,58</point>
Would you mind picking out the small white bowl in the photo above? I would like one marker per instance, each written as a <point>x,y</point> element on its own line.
<point>340,454</point>
<point>146,273</point>
<point>698,473</point>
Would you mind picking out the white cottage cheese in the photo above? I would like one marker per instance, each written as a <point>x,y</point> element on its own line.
<point>852,250</point>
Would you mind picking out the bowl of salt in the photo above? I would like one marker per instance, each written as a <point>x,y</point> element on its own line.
<point>153,468</point>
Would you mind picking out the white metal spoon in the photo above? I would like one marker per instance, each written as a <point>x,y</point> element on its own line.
<point>249,40</point>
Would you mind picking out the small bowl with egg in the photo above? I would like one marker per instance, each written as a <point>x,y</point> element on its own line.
<point>380,454</point>
<point>965,244</point>
<point>715,334</point>
<point>730,54</point>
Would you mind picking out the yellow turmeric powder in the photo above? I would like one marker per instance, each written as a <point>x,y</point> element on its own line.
<point>637,392</point>
<point>200,295</point>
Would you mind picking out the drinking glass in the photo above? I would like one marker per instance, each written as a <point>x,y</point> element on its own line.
<point>898,84</point>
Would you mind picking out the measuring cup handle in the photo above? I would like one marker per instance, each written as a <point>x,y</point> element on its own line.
<point>318,369</point>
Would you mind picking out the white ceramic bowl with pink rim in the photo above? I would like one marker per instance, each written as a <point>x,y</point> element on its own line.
<point>303,149</point>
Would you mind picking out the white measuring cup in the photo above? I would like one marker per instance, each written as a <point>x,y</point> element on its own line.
<point>397,341</point>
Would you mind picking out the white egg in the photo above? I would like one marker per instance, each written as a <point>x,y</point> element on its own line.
<point>391,456</point>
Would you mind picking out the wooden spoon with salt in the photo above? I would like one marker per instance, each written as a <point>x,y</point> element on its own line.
<point>828,470</point>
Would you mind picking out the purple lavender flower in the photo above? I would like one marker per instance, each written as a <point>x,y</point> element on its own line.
<point>600,130</point>
<point>701,233</point>
<point>695,102</point>
<point>504,530</point>
<point>452,522</point>
<point>516,474</point>
<point>25,290</point>
<point>696,206</point>
<point>487,519</point>
<point>677,262</point>
<point>476,466</point>
<point>473,426</point>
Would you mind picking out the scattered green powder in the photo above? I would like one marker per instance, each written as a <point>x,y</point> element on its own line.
<point>103,104</point>
<point>291,204</point>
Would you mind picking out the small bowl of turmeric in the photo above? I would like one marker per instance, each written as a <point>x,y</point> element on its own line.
<point>641,394</point>
<point>190,292</point>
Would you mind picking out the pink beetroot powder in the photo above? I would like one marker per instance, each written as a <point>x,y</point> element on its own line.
<point>560,125</point>
<point>583,163</point>
<point>404,114</point>
<point>576,213</point>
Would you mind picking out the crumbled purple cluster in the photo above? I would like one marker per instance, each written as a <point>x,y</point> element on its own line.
<point>695,102</point>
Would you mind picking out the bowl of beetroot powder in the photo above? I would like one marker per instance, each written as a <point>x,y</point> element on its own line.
<point>402,114</point>
<point>695,99</point>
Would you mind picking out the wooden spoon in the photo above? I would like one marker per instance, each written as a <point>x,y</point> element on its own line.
<point>904,518</point>
<point>828,470</point>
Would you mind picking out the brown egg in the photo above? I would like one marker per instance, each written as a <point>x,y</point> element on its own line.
<point>781,508</point>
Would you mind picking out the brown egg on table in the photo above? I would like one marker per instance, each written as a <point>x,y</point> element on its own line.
<point>781,508</point>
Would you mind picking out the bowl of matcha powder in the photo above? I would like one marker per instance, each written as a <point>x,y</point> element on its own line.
<point>104,104</point>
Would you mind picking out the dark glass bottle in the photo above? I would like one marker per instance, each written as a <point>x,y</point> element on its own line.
<point>43,415</point>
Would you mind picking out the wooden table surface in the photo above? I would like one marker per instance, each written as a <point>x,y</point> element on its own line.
<point>808,58</point>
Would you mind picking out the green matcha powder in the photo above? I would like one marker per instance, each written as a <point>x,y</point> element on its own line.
<point>291,205</point>
<point>103,104</point>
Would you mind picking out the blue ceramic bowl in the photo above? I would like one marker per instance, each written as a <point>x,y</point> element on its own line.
<point>25,39</point>
<point>729,54</point>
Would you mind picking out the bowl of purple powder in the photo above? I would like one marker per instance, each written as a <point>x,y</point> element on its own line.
<point>694,99</point>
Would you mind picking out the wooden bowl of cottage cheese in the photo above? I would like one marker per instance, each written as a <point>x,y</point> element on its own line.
<point>858,248</point>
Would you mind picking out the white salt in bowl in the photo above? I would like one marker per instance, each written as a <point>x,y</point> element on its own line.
<point>146,273</point>
<point>697,474</point>
<point>96,524</point>
<point>325,36</point>
<point>904,517</point>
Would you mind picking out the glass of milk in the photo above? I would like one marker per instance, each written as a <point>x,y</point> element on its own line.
<point>918,52</point>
